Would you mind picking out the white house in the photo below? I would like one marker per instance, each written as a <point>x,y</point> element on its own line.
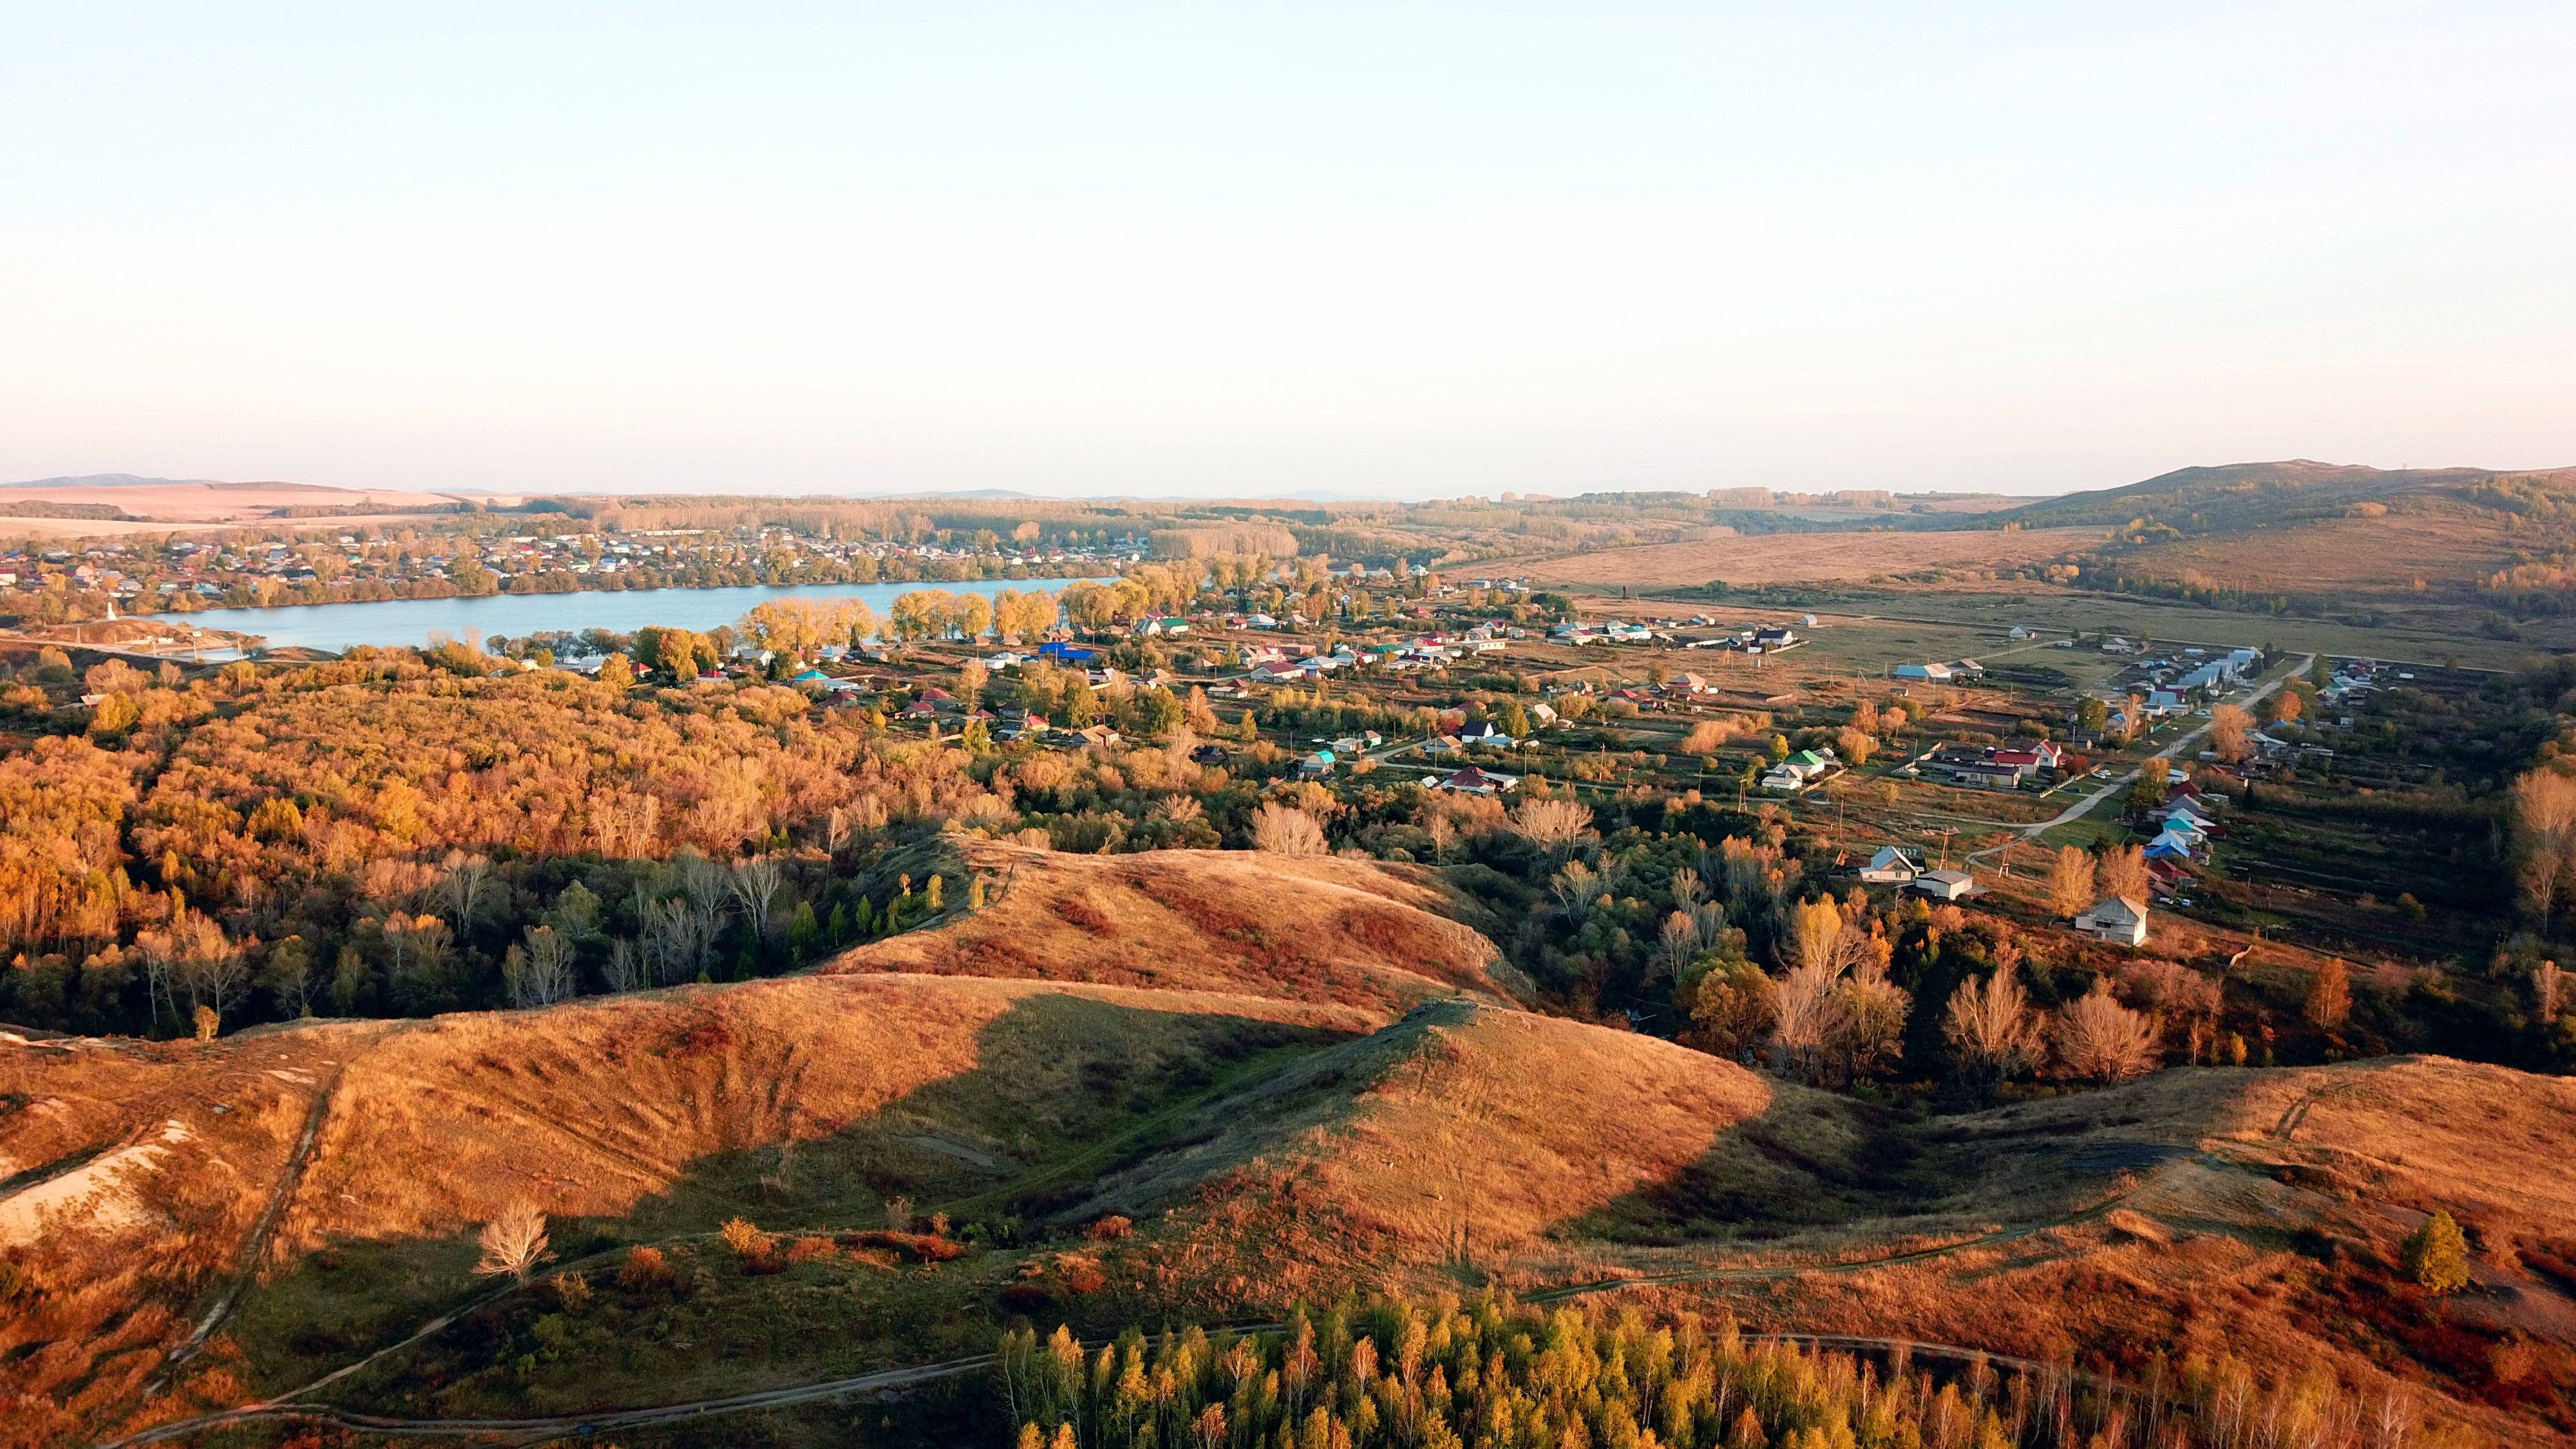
<point>2115,919</point>
<point>1890,867</point>
<point>1946,885</point>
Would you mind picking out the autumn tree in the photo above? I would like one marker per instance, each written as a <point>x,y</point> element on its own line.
<point>2096,1039</point>
<point>2330,996</point>
<point>1286,830</point>
<point>2124,873</point>
<point>2070,882</point>
<point>2544,827</point>
<point>2229,728</point>
<point>1992,1031</point>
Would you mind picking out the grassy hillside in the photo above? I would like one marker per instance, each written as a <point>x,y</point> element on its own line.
<point>1312,928</point>
<point>2245,495</point>
<point>845,1173</point>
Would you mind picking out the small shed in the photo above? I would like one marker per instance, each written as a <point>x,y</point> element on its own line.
<point>1946,885</point>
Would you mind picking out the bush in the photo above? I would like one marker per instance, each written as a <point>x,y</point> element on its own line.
<point>2436,1256</point>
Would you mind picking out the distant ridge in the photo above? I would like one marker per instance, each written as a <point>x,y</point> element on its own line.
<point>130,480</point>
<point>2235,495</point>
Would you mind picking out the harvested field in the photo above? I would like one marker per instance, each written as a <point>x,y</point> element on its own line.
<point>1783,558</point>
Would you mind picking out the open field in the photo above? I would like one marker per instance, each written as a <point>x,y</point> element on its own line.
<point>1796,558</point>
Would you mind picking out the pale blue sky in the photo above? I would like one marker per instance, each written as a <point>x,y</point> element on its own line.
<point>1223,249</point>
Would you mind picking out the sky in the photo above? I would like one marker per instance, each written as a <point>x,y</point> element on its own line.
<point>1381,249</point>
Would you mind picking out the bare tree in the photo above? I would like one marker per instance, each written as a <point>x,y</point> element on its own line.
<point>2228,730</point>
<point>513,1243</point>
<point>1992,1032</point>
<point>1558,827</point>
<point>541,974</point>
<point>1576,887</point>
<point>629,966</point>
<point>2547,984</point>
<point>707,890</point>
<point>2096,1039</point>
<point>1678,943</point>
<point>463,889</point>
<point>1808,1020</point>
<point>1687,893</point>
<point>2070,882</point>
<point>1286,830</point>
<point>756,883</point>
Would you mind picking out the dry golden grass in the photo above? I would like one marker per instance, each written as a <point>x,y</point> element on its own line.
<point>118,1265</point>
<point>1314,928</point>
<point>591,1108</point>
<point>1781,558</point>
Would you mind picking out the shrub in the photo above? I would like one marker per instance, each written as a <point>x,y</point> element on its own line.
<point>1112,1226</point>
<point>645,1269</point>
<point>2436,1256</point>
<point>745,1239</point>
<point>812,1250</point>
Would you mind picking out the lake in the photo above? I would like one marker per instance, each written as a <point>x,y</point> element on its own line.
<point>412,621</point>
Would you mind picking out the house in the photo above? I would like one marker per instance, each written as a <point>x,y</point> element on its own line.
<point>1946,885</point>
<point>1774,636</point>
<point>1063,653</point>
<point>1472,781</point>
<point>1101,735</point>
<point>2168,847</point>
<point>1017,724</point>
<point>1207,755</point>
<point>2115,918</point>
<point>1483,732</point>
<point>1317,764</point>
<point>1890,867</point>
<point>1542,715</point>
<point>1936,673</point>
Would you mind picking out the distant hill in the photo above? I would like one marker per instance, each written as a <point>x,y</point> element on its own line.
<point>2243,495</point>
<point>115,480</point>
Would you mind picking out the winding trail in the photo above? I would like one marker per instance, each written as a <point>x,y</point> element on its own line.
<point>288,1179</point>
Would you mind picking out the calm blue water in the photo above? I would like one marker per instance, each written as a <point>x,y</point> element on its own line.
<point>411,621</point>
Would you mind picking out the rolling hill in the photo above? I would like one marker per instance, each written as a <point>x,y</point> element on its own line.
<point>1181,1115</point>
<point>2245,495</point>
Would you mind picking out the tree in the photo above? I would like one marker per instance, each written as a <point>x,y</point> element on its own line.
<point>513,1243</point>
<point>2544,823</point>
<point>2124,874</point>
<point>2070,882</point>
<point>2229,727</point>
<point>2149,792</point>
<point>2096,1039</point>
<point>1555,826</point>
<point>1286,830</point>
<point>541,974</point>
<point>2288,706</point>
<point>2330,996</point>
<point>1732,1004</point>
<point>1992,1032</point>
<point>2093,716</point>
<point>2436,1256</point>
